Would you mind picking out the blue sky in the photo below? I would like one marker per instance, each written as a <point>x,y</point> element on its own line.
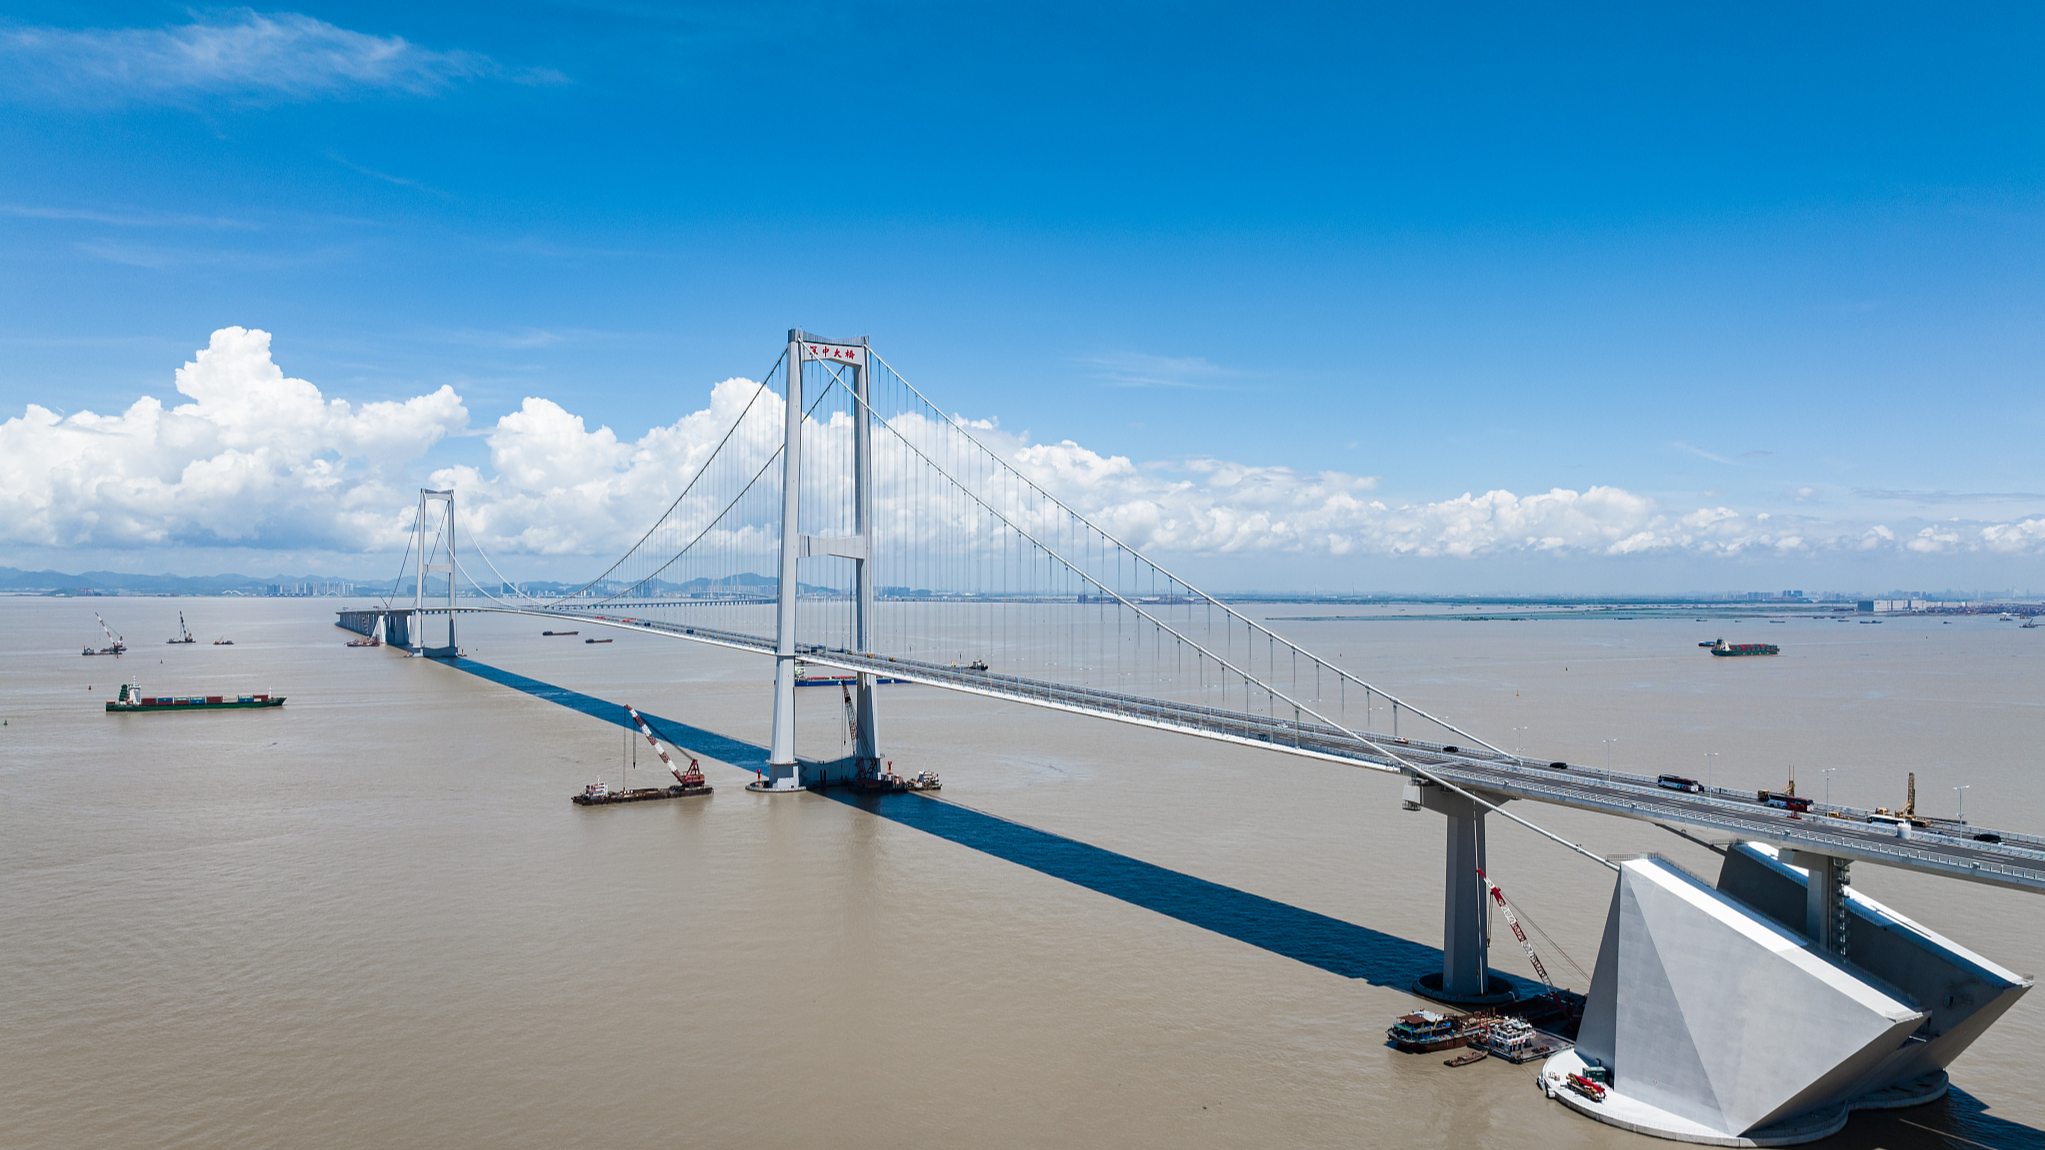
<point>1777,262</point>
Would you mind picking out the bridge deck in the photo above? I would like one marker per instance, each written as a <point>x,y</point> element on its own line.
<point>2017,861</point>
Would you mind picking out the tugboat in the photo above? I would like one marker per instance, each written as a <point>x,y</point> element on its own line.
<point>1511,1039</point>
<point>1424,1032</point>
<point>872,779</point>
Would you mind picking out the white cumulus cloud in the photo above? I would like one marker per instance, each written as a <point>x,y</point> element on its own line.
<point>255,459</point>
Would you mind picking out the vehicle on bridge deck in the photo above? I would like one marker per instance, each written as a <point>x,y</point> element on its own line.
<point>1784,800</point>
<point>1679,783</point>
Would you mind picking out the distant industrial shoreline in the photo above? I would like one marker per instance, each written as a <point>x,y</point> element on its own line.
<point>14,581</point>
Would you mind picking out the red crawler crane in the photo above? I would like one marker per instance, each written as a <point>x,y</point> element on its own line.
<point>1513,920</point>
<point>692,778</point>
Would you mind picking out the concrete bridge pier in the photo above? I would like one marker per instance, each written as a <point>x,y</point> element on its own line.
<point>1465,978</point>
<point>1825,916</point>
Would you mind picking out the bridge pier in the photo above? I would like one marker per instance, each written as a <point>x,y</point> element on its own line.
<point>1825,917</point>
<point>1465,978</point>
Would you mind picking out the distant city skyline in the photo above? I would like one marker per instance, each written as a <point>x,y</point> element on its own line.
<point>1377,300</point>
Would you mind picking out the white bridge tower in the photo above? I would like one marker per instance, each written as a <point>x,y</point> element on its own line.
<point>784,772</point>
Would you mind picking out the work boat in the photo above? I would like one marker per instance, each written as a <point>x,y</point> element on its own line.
<point>1424,1031</point>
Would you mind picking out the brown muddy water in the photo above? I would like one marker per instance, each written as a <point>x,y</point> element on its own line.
<point>373,918</point>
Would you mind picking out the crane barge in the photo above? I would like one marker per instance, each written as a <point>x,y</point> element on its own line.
<point>687,783</point>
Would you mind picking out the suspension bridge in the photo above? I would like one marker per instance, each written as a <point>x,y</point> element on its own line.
<point>845,521</point>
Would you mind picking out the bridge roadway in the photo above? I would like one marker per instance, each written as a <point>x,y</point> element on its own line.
<point>2016,861</point>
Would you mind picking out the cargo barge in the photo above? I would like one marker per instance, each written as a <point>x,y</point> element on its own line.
<point>1724,648</point>
<point>133,700</point>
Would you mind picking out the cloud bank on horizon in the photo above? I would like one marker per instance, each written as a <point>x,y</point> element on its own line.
<point>256,459</point>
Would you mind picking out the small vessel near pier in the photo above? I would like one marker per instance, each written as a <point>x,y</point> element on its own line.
<point>1424,1032</point>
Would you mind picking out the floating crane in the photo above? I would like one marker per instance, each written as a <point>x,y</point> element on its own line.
<point>114,643</point>
<point>184,630</point>
<point>687,783</point>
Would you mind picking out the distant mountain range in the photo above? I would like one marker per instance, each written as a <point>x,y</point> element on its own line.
<point>123,582</point>
<point>127,583</point>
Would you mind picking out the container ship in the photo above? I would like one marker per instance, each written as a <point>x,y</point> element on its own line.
<point>1724,648</point>
<point>132,699</point>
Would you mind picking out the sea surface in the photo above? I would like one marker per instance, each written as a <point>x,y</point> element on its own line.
<point>373,918</point>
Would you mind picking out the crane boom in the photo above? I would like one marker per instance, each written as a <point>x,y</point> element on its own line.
<point>1513,921</point>
<point>694,776</point>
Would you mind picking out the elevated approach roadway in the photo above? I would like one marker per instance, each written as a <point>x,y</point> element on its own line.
<point>2015,861</point>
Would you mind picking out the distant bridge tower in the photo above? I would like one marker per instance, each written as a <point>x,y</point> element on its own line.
<point>425,567</point>
<point>784,773</point>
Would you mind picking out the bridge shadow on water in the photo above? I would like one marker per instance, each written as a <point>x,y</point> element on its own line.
<point>1341,948</point>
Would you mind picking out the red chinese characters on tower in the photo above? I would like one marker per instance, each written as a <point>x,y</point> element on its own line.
<point>835,353</point>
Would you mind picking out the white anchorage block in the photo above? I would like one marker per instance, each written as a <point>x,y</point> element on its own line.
<point>1721,1026</point>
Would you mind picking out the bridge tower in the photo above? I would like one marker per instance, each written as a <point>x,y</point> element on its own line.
<point>784,773</point>
<point>418,621</point>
